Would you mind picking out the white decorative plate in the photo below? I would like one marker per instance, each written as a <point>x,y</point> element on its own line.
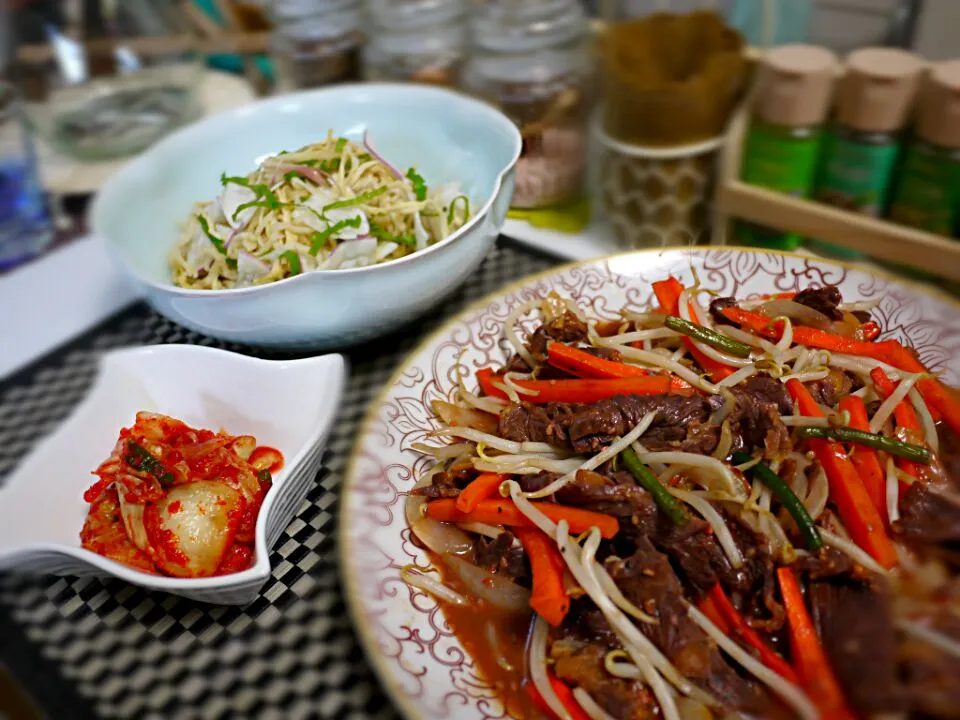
<point>421,663</point>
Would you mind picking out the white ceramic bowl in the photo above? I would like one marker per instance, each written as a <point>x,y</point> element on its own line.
<point>447,136</point>
<point>288,405</point>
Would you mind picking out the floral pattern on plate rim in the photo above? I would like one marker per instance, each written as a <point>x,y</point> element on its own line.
<point>419,659</point>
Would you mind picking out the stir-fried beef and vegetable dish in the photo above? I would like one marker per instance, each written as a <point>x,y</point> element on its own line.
<point>713,508</point>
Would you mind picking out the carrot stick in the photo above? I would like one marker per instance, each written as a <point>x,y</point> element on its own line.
<point>504,512</point>
<point>856,509</point>
<point>739,626</point>
<point>584,365</point>
<point>578,391</point>
<point>904,414</point>
<point>772,329</point>
<point>483,487</point>
<point>564,695</point>
<point>548,598</point>
<point>810,660</point>
<point>709,608</point>
<point>865,459</point>
<point>869,331</point>
<point>938,396</point>
<point>668,295</point>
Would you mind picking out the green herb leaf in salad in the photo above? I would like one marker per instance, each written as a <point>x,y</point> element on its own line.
<point>452,212</point>
<point>319,239</point>
<point>214,240</point>
<point>382,234</point>
<point>361,199</point>
<point>293,262</point>
<point>419,184</point>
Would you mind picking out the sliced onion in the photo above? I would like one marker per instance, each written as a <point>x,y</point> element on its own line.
<point>416,578</point>
<point>368,145</point>
<point>318,177</point>
<point>465,417</point>
<point>437,536</point>
<point>352,251</point>
<point>497,590</point>
<point>795,311</point>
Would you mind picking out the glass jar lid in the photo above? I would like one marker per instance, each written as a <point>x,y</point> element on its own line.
<point>406,15</point>
<point>515,26</point>
<point>308,19</point>
<point>283,11</point>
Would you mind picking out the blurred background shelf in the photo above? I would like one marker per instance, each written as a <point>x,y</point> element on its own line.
<point>882,240</point>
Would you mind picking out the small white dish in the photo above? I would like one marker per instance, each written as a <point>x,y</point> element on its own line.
<point>289,405</point>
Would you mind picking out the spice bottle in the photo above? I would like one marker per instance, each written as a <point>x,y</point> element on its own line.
<point>861,147</point>
<point>415,40</point>
<point>530,58</point>
<point>792,99</point>
<point>315,42</point>
<point>927,194</point>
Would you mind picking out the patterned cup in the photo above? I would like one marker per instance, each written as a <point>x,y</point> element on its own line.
<point>656,196</point>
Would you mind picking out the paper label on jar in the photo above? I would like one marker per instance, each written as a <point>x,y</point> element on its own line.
<point>928,192</point>
<point>856,175</point>
<point>777,162</point>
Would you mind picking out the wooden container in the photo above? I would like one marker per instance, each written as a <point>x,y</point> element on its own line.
<point>881,239</point>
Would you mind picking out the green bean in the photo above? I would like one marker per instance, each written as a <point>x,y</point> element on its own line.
<point>648,481</point>
<point>708,336</point>
<point>786,496</point>
<point>916,453</point>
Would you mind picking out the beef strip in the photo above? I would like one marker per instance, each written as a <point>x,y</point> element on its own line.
<point>585,623</point>
<point>448,483</point>
<point>832,388</point>
<point>499,556</point>
<point>648,581</point>
<point>566,328</point>
<point>827,563</point>
<point>537,423</point>
<point>928,518</point>
<point>581,665</point>
<point>826,300</point>
<point>615,495</point>
<point>949,453</point>
<point>855,624</point>
<point>606,353</point>
<point>760,401</point>
<point>718,305</point>
<point>680,423</point>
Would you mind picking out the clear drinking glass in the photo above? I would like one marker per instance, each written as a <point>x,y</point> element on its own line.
<point>114,79</point>
<point>25,227</point>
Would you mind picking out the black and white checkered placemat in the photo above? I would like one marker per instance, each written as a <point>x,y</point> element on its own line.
<point>290,654</point>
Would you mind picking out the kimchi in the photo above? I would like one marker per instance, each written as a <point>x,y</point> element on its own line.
<point>175,500</point>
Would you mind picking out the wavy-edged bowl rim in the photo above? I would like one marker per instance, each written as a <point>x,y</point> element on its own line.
<point>117,180</point>
<point>261,569</point>
<point>351,588</point>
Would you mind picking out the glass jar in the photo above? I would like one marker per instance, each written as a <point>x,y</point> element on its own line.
<point>131,79</point>
<point>315,42</point>
<point>415,40</point>
<point>530,58</point>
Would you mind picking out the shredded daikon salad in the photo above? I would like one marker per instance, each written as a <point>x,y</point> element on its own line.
<point>333,205</point>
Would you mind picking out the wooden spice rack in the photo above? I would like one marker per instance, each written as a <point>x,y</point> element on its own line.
<point>880,239</point>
